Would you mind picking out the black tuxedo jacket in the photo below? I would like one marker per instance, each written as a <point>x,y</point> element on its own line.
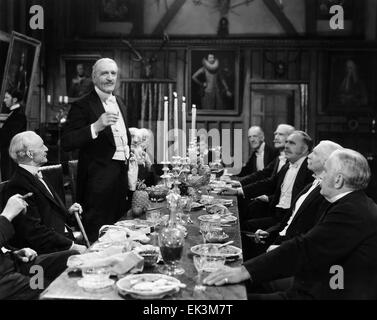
<point>93,153</point>
<point>42,227</point>
<point>272,185</point>
<point>15,123</point>
<point>345,236</point>
<point>270,170</point>
<point>6,232</point>
<point>306,216</point>
<point>251,165</point>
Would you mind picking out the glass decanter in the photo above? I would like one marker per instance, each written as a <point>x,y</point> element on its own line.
<point>171,242</point>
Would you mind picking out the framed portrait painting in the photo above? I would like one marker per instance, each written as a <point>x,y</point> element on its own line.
<point>76,71</point>
<point>213,84</point>
<point>21,66</point>
<point>350,82</point>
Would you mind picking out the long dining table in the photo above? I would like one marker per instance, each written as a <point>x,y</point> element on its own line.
<point>65,286</point>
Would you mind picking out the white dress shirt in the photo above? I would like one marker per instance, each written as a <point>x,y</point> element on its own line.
<point>282,160</point>
<point>110,104</point>
<point>298,204</point>
<point>287,185</point>
<point>339,196</point>
<point>260,157</point>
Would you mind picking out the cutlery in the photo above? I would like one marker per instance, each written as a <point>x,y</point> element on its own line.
<point>225,244</point>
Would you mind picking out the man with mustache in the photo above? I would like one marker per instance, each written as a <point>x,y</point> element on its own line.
<point>97,126</point>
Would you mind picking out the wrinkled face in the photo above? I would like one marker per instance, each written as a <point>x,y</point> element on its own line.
<point>295,147</point>
<point>315,162</point>
<point>255,138</point>
<point>8,100</point>
<point>280,137</point>
<point>105,76</point>
<point>38,151</point>
<point>329,176</point>
<point>211,58</point>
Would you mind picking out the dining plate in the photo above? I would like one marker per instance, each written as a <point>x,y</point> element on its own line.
<point>224,218</point>
<point>148,285</point>
<point>212,249</point>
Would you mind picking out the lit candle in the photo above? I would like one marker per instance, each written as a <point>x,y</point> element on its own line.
<point>60,99</point>
<point>184,126</point>
<point>193,123</point>
<point>175,123</point>
<point>65,99</point>
<point>166,119</point>
<point>48,99</point>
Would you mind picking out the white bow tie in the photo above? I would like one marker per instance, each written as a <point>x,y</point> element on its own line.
<point>293,165</point>
<point>111,99</point>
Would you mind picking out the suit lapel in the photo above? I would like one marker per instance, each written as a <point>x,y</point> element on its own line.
<point>98,109</point>
<point>35,181</point>
<point>300,178</point>
<point>309,198</point>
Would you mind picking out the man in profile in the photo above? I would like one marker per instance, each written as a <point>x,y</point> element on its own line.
<point>345,237</point>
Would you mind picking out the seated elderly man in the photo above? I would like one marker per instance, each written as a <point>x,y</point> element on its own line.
<point>15,266</point>
<point>261,153</point>
<point>44,227</point>
<point>307,206</point>
<point>337,258</point>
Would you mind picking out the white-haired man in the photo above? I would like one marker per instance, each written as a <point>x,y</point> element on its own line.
<point>97,126</point>
<point>337,258</point>
<point>261,153</point>
<point>44,227</point>
<point>308,204</point>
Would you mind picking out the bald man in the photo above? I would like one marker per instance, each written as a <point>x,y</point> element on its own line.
<point>261,153</point>
<point>97,126</point>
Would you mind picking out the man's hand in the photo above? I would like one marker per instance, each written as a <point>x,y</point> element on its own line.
<point>227,275</point>
<point>106,119</point>
<point>260,236</point>
<point>235,183</point>
<point>262,198</point>
<point>76,207</point>
<point>25,254</point>
<point>272,247</point>
<point>230,191</point>
<point>228,93</point>
<point>15,205</point>
<point>78,247</point>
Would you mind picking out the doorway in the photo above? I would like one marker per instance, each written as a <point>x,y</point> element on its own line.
<point>276,103</point>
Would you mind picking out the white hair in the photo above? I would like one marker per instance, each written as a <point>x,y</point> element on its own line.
<point>354,168</point>
<point>20,144</point>
<point>99,61</point>
<point>287,128</point>
<point>325,148</point>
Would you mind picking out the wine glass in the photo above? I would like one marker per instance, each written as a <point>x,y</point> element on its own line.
<point>184,205</point>
<point>199,262</point>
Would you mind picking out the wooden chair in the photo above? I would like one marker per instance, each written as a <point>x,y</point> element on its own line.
<point>54,174</point>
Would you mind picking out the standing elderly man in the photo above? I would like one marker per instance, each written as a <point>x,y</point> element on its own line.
<point>262,154</point>
<point>44,227</point>
<point>343,244</point>
<point>97,126</point>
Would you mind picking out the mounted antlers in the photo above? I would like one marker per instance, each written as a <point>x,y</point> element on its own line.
<point>147,62</point>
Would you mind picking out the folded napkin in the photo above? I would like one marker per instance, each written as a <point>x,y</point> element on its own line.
<point>118,262</point>
<point>121,233</point>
